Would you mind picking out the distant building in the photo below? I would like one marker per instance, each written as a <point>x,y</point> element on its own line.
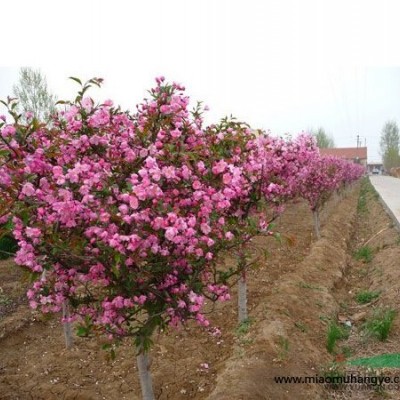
<point>356,154</point>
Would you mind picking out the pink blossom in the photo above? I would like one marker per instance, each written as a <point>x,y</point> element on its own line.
<point>32,232</point>
<point>229,235</point>
<point>176,133</point>
<point>165,109</point>
<point>133,202</point>
<point>87,104</point>
<point>219,167</point>
<point>170,233</point>
<point>7,131</point>
<point>28,189</point>
<point>205,228</point>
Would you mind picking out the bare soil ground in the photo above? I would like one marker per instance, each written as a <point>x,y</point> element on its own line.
<point>293,295</point>
<point>374,229</point>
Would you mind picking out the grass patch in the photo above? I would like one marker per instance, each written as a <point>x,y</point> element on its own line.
<point>364,254</point>
<point>4,300</point>
<point>309,286</point>
<point>283,345</point>
<point>362,203</point>
<point>243,327</point>
<point>379,361</point>
<point>362,200</point>
<point>366,188</point>
<point>335,333</point>
<point>366,296</point>
<point>380,324</point>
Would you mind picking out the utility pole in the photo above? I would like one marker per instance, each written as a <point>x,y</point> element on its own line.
<point>358,140</point>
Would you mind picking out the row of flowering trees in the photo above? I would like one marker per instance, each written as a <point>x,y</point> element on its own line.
<point>122,218</point>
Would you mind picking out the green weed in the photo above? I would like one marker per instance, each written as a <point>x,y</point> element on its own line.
<point>364,254</point>
<point>366,296</point>
<point>380,324</point>
<point>335,333</point>
<point>243,327</point>
<point>283,348</point>
<point>309,286</point>
<point>4,300</point>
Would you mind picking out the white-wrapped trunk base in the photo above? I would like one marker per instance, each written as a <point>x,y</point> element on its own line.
<point>67,326</point>
<point>242,298</point>
<point>317,226</point>
<point>146,382</point>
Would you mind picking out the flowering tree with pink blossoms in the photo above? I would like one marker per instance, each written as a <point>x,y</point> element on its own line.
<point>242,160</point>
<point>320,177</point>
<point>126,215</point>
<point>286,159</point>
<point>123,218</point>
<point>268,168</point>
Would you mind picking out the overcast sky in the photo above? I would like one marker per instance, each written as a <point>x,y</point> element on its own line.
<point>281,65</point>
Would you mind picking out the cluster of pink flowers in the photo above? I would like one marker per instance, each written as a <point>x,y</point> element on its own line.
<point>125,215</point>
<point>322,175</point>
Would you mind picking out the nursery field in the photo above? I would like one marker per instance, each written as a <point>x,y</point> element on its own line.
<point>296,294</point>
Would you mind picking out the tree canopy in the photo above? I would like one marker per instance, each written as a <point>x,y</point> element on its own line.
<point>390,145</point>
<point>323,139</point>
<point>33,95</point>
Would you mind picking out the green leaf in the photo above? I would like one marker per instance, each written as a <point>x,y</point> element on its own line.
<point>75,79</point>
<point>96,81</point>
<point>4,153</point>
<point>82,331</point>
<point>106,346</point>
<point>115,271</point>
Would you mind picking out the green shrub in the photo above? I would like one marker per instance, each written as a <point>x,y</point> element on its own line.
<point>366,296</point>
<point>364,253</point>
<point>380,324</point>
<point>335,333</point>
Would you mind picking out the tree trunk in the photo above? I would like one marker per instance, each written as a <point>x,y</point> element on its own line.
<point>146,382</point>
<point>67,326</point>
<point>242,297</point>
<point>316,224</point>
<point>336,198</point>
